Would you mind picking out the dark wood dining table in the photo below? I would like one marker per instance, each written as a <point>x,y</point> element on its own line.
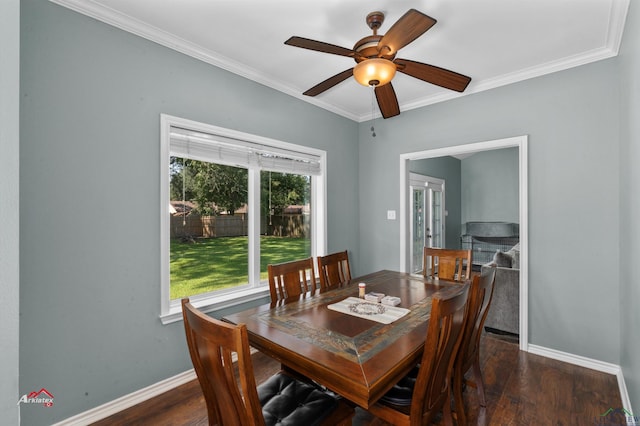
<point>357,358</point>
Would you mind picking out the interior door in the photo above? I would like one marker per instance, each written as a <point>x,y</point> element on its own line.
<point>427,216</point>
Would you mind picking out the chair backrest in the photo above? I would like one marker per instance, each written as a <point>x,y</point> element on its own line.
<point>433,383</point>
<point>480,295</point>
<point>334,269</point>
<point>211,344</point>
<point>290,279</point>
<point>450,264</point>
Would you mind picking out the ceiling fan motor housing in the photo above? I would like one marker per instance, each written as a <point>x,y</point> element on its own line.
<point>367,48</point>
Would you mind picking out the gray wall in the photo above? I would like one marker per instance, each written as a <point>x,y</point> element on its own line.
<point>490,186</point>
<point>90,100</point>
<point>481,187</point>
<point>9,208</point>
<point>630,205</point>
<point>447,168</point>
<point>572,119</point>
<point>90,262</point>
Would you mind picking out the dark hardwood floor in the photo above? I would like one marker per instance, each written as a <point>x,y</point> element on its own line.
<point>521,389</point>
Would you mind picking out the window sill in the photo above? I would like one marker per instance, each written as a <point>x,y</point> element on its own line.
<point>214,303</point>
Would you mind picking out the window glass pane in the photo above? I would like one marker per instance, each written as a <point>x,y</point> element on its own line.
<point>418,229</point>
<point>208,227</point>
<point>285,218</point>
<point>436,214</point>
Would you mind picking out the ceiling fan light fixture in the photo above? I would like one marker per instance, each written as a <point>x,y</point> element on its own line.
<point>374,72</point>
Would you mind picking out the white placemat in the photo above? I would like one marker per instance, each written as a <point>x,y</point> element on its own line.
<point>369,310</point>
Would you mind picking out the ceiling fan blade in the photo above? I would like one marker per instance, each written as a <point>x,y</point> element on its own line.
<point>387,100</point>
<point>329,83</point>
<point>408,28</point>
<point>319,46</point>
<point>434,75</point>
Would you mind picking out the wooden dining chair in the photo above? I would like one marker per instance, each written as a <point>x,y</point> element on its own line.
<point>480,295</point>
<point>334,269</point>
<point>290,279</point>
<point>282,398</point>
<point>420,396</point>
<point>448,264</point>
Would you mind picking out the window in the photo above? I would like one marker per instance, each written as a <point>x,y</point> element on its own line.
<point>232,203</point>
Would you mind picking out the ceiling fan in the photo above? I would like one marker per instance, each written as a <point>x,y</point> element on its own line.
<point>376,62</point>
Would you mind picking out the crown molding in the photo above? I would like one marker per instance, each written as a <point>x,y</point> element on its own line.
<point>135,26</point>
<point>617,18</point>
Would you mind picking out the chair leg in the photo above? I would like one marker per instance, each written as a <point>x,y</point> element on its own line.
<point>446,412</point>
<point>477,375</point>
<point>342,416</point>
<point>482,417</point>
<point>458,402</point>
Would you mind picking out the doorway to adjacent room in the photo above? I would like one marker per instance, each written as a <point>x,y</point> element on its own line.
<point>406,210</point>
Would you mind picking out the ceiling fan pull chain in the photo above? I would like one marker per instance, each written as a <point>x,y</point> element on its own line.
<point>373,117</point>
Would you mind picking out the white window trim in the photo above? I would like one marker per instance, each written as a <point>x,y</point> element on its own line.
<point>171,311</point>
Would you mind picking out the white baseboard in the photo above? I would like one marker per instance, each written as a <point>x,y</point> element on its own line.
<point>127,401</point>
<point>593,364</point>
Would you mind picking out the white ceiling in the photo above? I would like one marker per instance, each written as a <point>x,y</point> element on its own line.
<point>496,42</point>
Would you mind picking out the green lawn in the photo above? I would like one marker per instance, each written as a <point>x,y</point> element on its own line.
<point>217,263</point>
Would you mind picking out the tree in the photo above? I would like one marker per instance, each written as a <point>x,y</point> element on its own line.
<point>214,188</point>
<point>280,190</point>
<point>177,173</point>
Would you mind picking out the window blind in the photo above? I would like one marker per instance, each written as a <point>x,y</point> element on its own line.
<point>242,153</point>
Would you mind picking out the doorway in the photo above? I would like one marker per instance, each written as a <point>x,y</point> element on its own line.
<point>427,216</point>
<point>406,207</point>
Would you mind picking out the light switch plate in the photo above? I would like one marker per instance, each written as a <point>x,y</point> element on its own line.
<point>391,214</point>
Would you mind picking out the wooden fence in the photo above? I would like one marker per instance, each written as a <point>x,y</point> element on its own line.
<point>193,226</point>
<point>287,225</point>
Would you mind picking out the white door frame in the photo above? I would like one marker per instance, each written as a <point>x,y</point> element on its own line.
<point>521,143</point>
